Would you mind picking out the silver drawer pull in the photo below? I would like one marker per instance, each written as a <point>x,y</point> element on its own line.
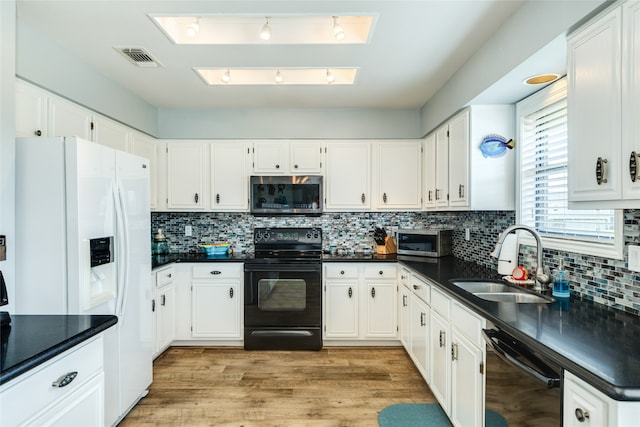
<point>216,272</point>
<point>65,380</point>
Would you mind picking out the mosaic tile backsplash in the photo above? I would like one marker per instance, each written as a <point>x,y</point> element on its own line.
<point>603,280</point>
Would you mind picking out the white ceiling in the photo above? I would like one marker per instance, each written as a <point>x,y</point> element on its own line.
<point>415,47</point>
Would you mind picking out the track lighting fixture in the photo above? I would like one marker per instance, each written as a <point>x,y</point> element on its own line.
<point>192,30</point>
<point>330,77</point>
<point>279,78</point>
<point>226,77</point>
<point>265,34</point>
<point>338,31</point>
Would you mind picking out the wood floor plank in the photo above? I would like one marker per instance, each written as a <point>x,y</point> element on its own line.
<point>334,387</point>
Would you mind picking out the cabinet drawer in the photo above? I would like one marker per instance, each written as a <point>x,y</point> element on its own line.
<point>217,271</point>
<point>467,323</point>
<point>421,289</point>
<point>380,272</point>
<point>440,303</point>
<point>33,391</point>
<point>165,276</point>
<point>339,271</point>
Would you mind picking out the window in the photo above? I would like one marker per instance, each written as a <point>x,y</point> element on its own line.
<point>543,201</point>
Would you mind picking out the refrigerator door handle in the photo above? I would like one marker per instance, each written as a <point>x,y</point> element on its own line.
<point>123,246</point>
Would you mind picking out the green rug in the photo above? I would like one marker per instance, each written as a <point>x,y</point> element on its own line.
<point>426,415</point>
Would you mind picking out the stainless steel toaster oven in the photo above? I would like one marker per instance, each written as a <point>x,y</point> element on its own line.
<point>424,242</point>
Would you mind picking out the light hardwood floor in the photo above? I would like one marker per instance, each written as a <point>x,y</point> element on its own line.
<point>337,386</point>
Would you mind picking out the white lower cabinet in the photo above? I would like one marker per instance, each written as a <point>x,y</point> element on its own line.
<point>584,406</point>
<point>31,400</point>
<point>360,301</point>
<point>216,301</point>
<point>414,319</point>
<point>457,361</point>
<point>164,308</point>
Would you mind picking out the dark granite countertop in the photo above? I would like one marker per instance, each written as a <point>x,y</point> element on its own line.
<point>599,344</point>
<point>162,260</point>
<point>33,339</point>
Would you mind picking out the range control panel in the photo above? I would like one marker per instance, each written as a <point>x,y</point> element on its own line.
<point>287,236</point>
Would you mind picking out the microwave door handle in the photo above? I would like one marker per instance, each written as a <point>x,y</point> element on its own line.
<point>504,355</point>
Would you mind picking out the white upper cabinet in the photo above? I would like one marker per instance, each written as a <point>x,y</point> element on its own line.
<point>348,176</point>
<point>603,75</point>
<point>429,171</point>
<point>229,176</point>
<point>185,169</point>
<point>306,157</point>
<point>68,119</point>
<point>287,157</point>
<point>110,133</point>
<point>464,178</point>
<point>31,110</point>
<point>399,175</point>
<point>271,158</point>
<point>147,147</point>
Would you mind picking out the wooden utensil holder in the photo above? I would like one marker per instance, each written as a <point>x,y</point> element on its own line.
<point>389,247</point>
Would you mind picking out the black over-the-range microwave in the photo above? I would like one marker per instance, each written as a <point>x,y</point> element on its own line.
<point>424,242</point>
<point>286,195</point>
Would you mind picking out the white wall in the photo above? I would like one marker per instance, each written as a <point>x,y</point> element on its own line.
<point>46,64</point>
<point>289,123</point>
<point>7,141</point>
<point>531,27</point>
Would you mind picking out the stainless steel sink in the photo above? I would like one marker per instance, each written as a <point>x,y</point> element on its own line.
<point>517,297</point>
<point>484,286</point>
<point>500,292</point>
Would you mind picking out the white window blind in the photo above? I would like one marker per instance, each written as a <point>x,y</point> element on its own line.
<point>543,180</point>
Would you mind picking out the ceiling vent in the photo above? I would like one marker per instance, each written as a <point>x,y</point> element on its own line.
<point>139,56</point>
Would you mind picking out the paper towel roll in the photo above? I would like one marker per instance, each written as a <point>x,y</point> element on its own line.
<point>508,258</point>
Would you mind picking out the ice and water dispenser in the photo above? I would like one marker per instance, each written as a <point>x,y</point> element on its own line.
<point>100,274</point>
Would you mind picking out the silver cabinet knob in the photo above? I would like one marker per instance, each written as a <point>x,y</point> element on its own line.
<point>581,415</point>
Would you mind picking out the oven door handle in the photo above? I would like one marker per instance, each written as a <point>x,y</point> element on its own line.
<point>543,372</point>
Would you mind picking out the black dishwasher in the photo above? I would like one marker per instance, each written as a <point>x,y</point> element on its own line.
<point>521,385</point>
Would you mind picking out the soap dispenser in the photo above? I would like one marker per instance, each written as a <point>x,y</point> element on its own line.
<point>560,283</point>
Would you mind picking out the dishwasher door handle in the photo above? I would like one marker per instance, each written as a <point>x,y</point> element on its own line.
<point>491,336</point>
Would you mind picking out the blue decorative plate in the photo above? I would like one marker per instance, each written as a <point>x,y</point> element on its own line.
<point>495,145</point>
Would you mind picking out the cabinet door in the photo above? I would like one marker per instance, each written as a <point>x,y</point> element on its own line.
<point>185,171</point>
<point>442,166</point>
<point>459,160</point>
<point>348,176</point>
<point>583,406</point>
<point>430,167</point>
<point>229,176</point>
<point>594,108</point>
<point>31,110</point>
<point>145,146</point>
<point>440,361</point>
<point>306,158</point>
<point>341,309</point>
<point>404,317</point>
<point>467,403</point>
<point>215,310</point>
<point>631,99</point>
<point>270,158</point>
<point>399,175</point>
<point>166,316</point>
<point>68,119</point>
<point>110,133</point>
<point>420,315</point>
<point>381,318</point>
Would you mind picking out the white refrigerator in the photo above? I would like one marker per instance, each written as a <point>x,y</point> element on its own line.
<point>82,247</point>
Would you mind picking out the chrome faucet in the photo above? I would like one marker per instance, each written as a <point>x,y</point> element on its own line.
<point>543,276</point>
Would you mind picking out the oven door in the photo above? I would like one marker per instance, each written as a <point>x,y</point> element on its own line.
<point>283,306</point>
